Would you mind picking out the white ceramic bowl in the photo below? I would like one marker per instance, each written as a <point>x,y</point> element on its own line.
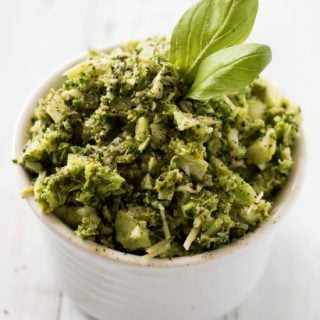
<point>109,284</point>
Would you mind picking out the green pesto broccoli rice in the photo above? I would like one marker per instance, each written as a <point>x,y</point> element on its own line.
<point>119,155</point>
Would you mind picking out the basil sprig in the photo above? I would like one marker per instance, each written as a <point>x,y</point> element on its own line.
<point>201,37</point>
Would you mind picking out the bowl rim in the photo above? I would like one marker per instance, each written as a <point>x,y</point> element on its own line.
<point>284,200</point>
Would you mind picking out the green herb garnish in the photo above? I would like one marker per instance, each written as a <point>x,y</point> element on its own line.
<point>203,31</point>
<point>229,70</point>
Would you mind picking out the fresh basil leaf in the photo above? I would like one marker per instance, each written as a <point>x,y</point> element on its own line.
<point>207,27</point>
<point>229,70</point>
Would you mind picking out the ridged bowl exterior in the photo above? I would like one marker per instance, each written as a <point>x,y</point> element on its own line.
<point>111,290</point>
<point>111,285</point>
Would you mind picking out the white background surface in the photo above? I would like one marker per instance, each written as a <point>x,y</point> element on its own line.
<point>36,36</point>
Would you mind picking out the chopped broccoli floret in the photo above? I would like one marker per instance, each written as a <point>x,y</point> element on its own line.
<point>130,232</point>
